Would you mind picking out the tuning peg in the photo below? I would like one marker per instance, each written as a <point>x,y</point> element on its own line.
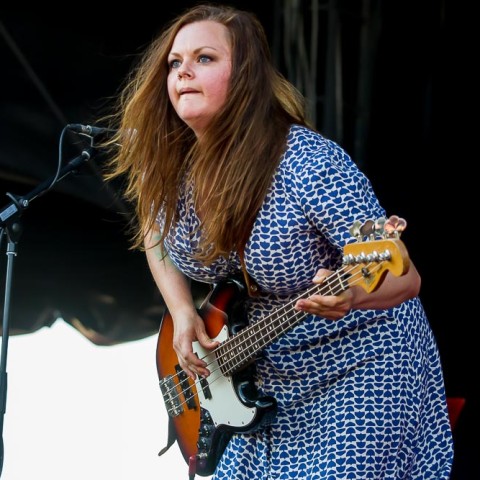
<point>394,226</point>
<point>355,229</point>
<point>368,228</point>
<point>380,226</point>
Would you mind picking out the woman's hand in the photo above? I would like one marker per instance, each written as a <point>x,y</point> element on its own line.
<point>332,307</point>
<point>391,291</point>
<point>186,331</point>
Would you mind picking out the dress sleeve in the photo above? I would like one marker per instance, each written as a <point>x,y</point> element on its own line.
<point>334,193</point>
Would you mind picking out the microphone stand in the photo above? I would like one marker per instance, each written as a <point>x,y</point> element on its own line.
<point>11,228</point>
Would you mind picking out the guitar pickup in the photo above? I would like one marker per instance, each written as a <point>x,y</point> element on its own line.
<point>186,388</point>
<point>205,388</point>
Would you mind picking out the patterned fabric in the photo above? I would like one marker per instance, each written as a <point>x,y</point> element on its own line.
<point>359,398</point>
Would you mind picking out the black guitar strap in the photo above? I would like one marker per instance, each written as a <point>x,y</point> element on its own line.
<point>252,286</point>
<point>172,436</point>
<point>170,441</point>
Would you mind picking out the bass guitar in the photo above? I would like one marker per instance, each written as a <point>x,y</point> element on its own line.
<point>205,413</point>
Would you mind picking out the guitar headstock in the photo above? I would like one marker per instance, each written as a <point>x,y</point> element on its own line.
<point>378,249</point>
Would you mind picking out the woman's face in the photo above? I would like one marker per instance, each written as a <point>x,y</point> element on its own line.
<point>200,65</point>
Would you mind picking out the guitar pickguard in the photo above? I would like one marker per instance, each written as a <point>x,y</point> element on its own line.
<point>229,403</point>
<point>218,395</point>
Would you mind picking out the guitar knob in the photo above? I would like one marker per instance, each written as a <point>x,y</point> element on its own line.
<point>203,443</point>
<point>205,417</point>
<point>206,430</point>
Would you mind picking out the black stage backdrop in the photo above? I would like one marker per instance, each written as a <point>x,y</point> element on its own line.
<point>403,118</point>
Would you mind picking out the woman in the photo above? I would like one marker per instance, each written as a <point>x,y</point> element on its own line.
<point>224,170</point>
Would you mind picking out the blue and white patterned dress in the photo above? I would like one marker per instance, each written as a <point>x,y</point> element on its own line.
<point>358,398</point>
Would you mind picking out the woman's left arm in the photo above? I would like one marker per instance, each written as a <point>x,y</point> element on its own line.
<point>391,292</point>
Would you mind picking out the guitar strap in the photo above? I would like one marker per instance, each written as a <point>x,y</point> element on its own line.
<point>252,286</point>
<point>172,436</point>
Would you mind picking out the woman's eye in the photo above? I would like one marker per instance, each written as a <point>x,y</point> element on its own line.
<point>174,64</point>
<point>204,59</point>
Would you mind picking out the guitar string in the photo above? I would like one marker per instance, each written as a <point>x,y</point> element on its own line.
<point>288,307</point>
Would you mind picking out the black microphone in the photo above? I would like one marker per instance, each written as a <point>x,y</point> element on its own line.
<point>89,130</point>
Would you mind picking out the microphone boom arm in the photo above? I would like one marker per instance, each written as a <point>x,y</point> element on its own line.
<point>19,204</point>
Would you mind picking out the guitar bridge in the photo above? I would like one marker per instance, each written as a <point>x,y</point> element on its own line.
<point>177,392</point>
<point>170,396</point>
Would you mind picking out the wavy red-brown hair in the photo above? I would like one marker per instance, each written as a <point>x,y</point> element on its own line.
<point>232,168</point>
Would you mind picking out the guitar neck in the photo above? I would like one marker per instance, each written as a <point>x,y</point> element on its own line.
<point>364,264</point>
<point>242,348</point>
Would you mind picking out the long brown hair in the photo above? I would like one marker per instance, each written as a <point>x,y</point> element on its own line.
<point>232,168</point>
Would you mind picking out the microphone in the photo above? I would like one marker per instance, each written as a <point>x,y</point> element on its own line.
<point>89,130</point>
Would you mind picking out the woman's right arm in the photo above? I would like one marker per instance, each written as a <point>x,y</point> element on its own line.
<point>174,286</point>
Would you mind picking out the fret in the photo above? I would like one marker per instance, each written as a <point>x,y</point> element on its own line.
<point>242,348</point>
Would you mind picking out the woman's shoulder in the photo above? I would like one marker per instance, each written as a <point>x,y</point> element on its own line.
<point>307,146</point>
<point>300,135</point>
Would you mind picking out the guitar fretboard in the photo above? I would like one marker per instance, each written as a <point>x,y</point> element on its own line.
<point>242,348</point>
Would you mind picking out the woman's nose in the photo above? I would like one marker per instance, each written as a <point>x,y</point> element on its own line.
<point>184,71</point>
